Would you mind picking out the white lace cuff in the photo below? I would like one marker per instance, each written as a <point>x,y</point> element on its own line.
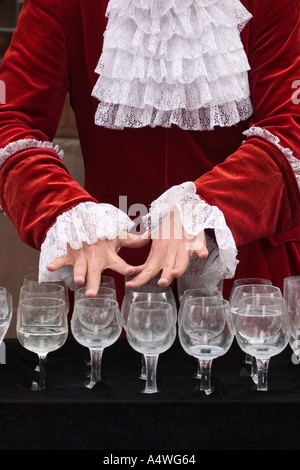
<point>24,144</point>
<point>197,216</point>
<point>288,153</point>
<point>87,223</point>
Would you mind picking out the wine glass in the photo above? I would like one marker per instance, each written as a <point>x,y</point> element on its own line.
<point>42,327</point>
<point>294,342</point>
<point>96,325</point>
<point>291,294</point>
<point>108,281</point>
<point>151,330</point>
<point>32,288</point>
<point>244,290</point>
<point>248,290</point>
<point>6,312</point>
<point>197,292</point>
<point>147,292</point>
<point>45,289</point>
<point>191,279</point>
<point>243,281</point>
<point>103,291</point>
<point>194,293</point>
<point>151,287</point>
<point>204,334</point>
<point>32,283</point>
<point>262,329</point>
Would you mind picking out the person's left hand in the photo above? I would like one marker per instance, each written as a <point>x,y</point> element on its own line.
<point>170,252</point>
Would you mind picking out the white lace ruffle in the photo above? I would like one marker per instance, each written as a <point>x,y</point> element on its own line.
<point>170,62</point>
<point>24,144</point>
<point>197,216</point>
<point>87,223</point>
<point>288,153</point>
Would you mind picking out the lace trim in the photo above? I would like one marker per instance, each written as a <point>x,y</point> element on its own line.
<point>23,144</point>
<point>87,223</point>
<point>170,62</point>
<point>197,216</point>
<point>288,153</point>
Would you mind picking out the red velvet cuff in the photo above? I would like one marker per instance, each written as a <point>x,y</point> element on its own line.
<point>256,190</point>
<point>36,189</point>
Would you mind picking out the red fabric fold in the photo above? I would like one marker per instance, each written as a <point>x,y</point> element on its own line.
<point>258,198</point>
<point>36,189</point>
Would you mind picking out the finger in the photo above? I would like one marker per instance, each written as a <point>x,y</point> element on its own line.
<point>132,276</point>
<point>93,277</point>
<point>116,263</point>
<point>148,272</point>
<point>175,265</point>
<point>145,272</point>
<point>201,252</point>
<point>166,277</point>
<point>164,281</point>
<point>181,264</point>
<point>80,270</point>
<point>140,279</point>
<point>139,268</point>
<point>95,268</point>
<point>197,246</point>
<point>183,257</point>
<point>58,263</point>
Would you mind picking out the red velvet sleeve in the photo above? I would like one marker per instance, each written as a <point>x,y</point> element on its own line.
<point>35,185</point>
<point>255,187</point>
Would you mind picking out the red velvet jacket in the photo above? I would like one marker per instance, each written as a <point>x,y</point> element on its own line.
<point>55,50</point>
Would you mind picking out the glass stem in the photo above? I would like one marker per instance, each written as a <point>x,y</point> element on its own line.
<point>198,372</point>
<point>205,375</point>
<point>248,359</point>
<point>151,366</point>
<point>42,371</point>
<point>262,374</point>
<point>254,370</point>
<point>96,360</point>
<point>143,368</point>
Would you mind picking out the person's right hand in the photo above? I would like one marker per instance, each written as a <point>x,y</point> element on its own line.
<point>89,261</point>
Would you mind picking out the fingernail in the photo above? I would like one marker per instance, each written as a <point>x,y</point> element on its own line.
<point>90,292</point>
<point>163,282</point>
<point>130,270</point>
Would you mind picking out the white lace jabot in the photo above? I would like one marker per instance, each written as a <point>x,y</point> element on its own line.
<point>173,62</point>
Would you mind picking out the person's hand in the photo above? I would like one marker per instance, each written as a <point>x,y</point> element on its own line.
<point>89,261</point>
<point>170,253</point>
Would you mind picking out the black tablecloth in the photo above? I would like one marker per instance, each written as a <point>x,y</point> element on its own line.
<point>116,416</point>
